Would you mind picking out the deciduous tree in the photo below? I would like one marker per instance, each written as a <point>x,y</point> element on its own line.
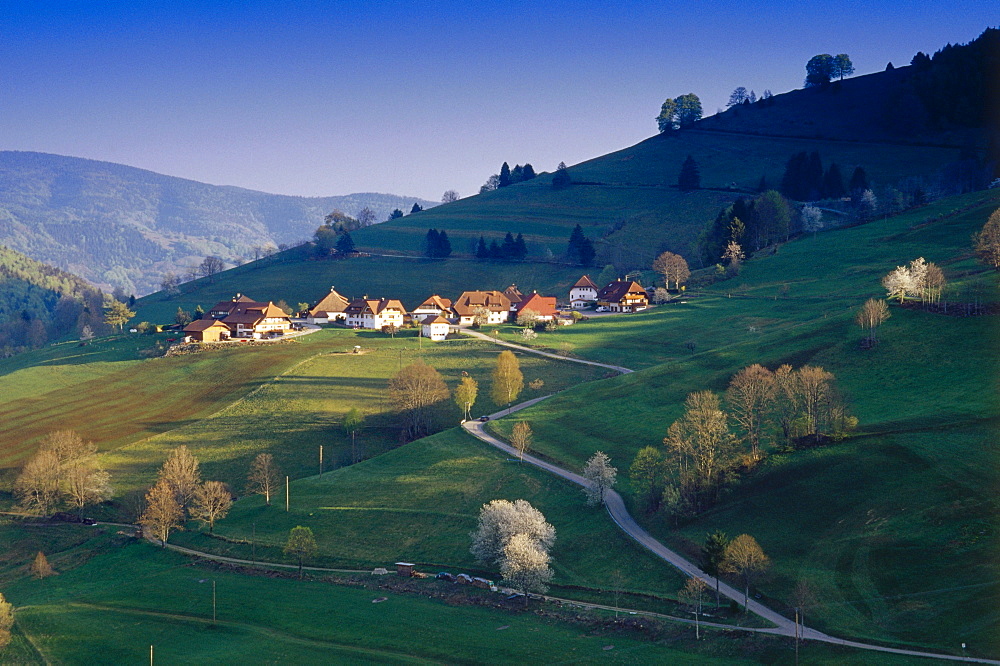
<point>6,621</point>
<point>689,178</point>
<point>525,565</point>
<point>212,501</point>
<point>520,438</point>
<point>300,545</point>
<point>646,474</point>
<point>745,558</point>
<point>750,396</point>
<point>264,476</point>
<point>85,483</point>
<point>712,555</point>
<point>703,448</point>
<point>986,242</point>
<point>667,120</point>
<point>601,475</point>
<point>672,267</point>
<point>449,196</point>
<point>116,313</point>
<point>693,594</point>
<point>413,392</point>
<point>211,266</point>
<point>500,520</point>
<point>870,316</point>
<point>366,217</point>
<point>465,395</point>
<point>180,471</point>
<point>163,513</point>
<point>508,381</point>
<point>688,109</point>
<point>40,567</point>
<point>819,70</point>
<point>37,486</point>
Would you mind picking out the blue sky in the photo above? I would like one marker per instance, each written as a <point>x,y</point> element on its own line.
<point>322,98</point>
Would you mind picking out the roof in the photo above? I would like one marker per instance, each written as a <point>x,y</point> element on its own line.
<point>237,301</point>
<point>332,302</point>
<point>469,301</point>
<point>199,325</point>
<point>436,301</point>
<point>434,319</point>
<point>543,305</point>
<point>360,306</point>
<point>244,318</point>
<point>585,281</point>
<point>618,290</point>
<point>513,294</point>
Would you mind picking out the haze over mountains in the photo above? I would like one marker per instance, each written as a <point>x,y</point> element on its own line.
<point>119,226</point>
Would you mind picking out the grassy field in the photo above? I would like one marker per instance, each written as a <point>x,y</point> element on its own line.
<point>112,607</point>
<point>894,529</point>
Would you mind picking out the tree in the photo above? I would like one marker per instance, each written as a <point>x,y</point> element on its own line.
<point>528,173</point>
<point>672,267</point>
<point>702,446</point>
<point>345,243</point>
<point>870,316</point>
<point>833,182</point>
<point>745,558</point>
<point>6,621</point>
<point>712,555</point>
<point>986,242</point>
<point>116,313</point>
<point>301,544</point>
<point>934,282</point>
<point>508,381</point>
<point>210,266</point>
<point>413,392</point>
<point>492,183</point>
<point>734,255</point>
<point>859,182</point>
<point>504,180</point>
<point>449,196</point>
<point>646,474</point>
<point>395,215</point>
<point>353,420</point>
<point>480,316</point>
<point>366,217</point>
<point>520,438</point>
<point>163,513</point>
<point>666,120</point>
<point>527,317</point>
<point>525,565</point>
<point>815,386</point>
<point>601,475</point>
<point>738,96</point>
<point>688,109</point>
<point>561,179</point>
<point>416,208</point>
<point>37,486</point>
<point>40,567</point>
<point>465,396</point>
<point>607,275</point>
<point>182,317</point>
<point>264,476</point>
<point>170,284</point>
<point>212,501</point>
<point>842,66</point>
<point>693,594</point>
<point>812,219</point>
<point>500,520</point>
<point>85,482</point>
<point>750,396</point>
<point>180,472</point>
<point>690,177</point>
<point>899,283</point>
<point>819,70</point>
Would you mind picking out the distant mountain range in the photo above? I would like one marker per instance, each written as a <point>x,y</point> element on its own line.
<point>118,226</point>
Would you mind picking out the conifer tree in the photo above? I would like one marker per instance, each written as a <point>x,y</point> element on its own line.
<point>690,176</point>
<point>504,175</point>
<point>482,252</point>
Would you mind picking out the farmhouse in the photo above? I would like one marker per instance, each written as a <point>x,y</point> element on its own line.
<point>466,306</point>
<point>544,306</point>
<point>515,296</point>
<point>433,306</point>
<point>330,308</point>
<point>583,294</point>
<point>623,296</point>
<point>435,327</point>
<point>207,330</point>
<point>255,320</point>
<point>374,314</point>
<point>223,309</point>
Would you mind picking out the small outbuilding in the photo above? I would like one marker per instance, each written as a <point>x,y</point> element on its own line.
<point>207,330</point>
<point>405,569</point>
<point>435,327</point>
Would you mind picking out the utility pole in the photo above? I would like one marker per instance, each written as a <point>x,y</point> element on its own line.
<point>213,603</point>
<point>253,545</point>
<point>286,494</point>
<point>321,460</point>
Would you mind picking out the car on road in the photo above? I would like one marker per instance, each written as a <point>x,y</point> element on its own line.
<point>484,418</point>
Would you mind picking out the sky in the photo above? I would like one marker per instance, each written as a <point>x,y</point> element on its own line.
<point>410,98</point>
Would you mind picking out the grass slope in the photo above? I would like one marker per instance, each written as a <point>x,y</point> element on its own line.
<point>895,528</point>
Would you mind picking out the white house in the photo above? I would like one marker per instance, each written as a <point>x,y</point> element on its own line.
<point>435,327</point>
<point>433,306</point>
<point>374,314</point>
<point>583,294</point>
<point>330,308</point>
<point>494,303</point>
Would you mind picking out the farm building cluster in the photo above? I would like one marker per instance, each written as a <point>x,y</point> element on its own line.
<point>243,317</point>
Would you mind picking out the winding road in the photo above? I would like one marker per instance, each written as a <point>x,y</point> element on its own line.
<point>616,509</point>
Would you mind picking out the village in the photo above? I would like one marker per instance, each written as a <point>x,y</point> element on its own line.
<point>243,318</point>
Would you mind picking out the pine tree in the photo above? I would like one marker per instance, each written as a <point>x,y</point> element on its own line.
<point>509,248</point>
<point>587,252</point>
<point>345,243</point>
<point>495,250</point>
<point>504,175</point>
<point>859,182</point>
<point>833,182</point>
<point>482,252</point>
<point>416,208</point>
<point>444,245</point>
<point>576,240</point>
<point>561,179</point>
<point>521,250</point>
<point>528,172</point>
<point>432,243</point>
<point>516,174</point>
<point>814,177</point>
<point>690,176</point>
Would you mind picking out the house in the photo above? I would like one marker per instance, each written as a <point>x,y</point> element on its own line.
<point>433,306</point>
<point>374,314</point>
<point>623,296</point>
<point>583,294</point>
<point>255,320</point>
<point>466,306</point>
<point>223,309</point>
<point>435,327</point>
<point>206,330</point>
<point>544,306</point>
<point>515,296</point>
<point>330,308</point>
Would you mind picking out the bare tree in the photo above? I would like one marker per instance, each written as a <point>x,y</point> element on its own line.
<point>86,483</point>
<point>527,317</point>
<point>180,471</point>
<point>465,396</point>
<point>750,396</point>
<point>986,242</point>
<point>500,520</point>
<point>210,266</point>
<point>745,558</point>
<point>212,501</point>
<point>525,565</point>
<point>301,544</point>
<point>672,267</point>
<point>481,316</point>
<point>520,438</point>
<point>37,486</point>
<point>508,381</point>
<point>40,567</point>
<point>163,512</point>
<point>413,391</point>
<point>6,621</point>
<point>449,196</point>
<point>693,595</point>
<point>872,315</point>
<point>264,476</point>
<point>934,283</point>
<point>702,445</point>
<point>815,385</point>
<point>366,217</point>
<point>601,475</point>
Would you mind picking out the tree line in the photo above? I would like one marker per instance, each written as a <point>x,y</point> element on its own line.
<point>508,177</point>
<point>511,248</point>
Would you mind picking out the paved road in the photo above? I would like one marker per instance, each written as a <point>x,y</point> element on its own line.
<point>529,350</point>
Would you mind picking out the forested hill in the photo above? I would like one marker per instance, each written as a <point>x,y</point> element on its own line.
<point>39,303</point>
<point>125,227</point>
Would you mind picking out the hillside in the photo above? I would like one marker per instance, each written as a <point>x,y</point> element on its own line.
<point>39,303</point>
<point>119,226</point>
